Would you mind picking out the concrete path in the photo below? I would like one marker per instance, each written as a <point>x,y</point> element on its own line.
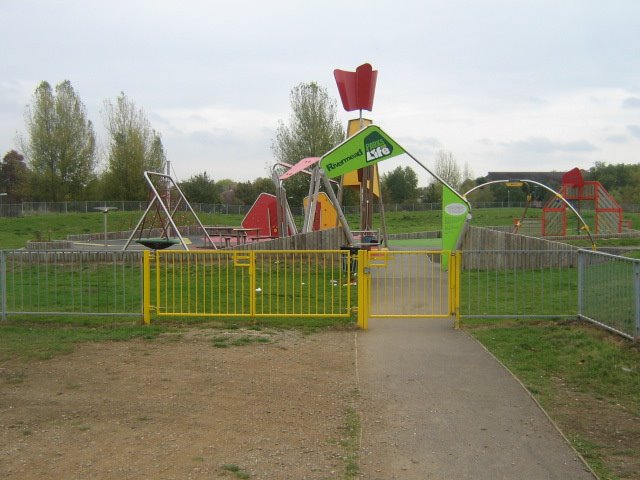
<point>436,405</point>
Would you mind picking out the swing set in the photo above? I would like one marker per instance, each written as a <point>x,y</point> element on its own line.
<point>159,230</point>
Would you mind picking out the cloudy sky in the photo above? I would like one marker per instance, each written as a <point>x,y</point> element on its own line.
<point>505,85</point>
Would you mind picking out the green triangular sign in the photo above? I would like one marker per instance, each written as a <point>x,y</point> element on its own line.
<point>367,147</point>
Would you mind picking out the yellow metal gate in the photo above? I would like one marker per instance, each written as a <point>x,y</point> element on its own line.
<point>226,283</point>
<point>300,283</point>
<point>397,284</point>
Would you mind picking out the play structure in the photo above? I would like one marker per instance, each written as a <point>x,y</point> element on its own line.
<point>272,214</point>
<point>526,183</point>
<point>351,164</point>
<point>575,195</point>
<point>158,228</point>
<point>263,215</point>
<point>325,215</point>
<point>581,194</point>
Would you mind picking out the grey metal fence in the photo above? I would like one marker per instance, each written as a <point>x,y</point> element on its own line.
<point>594,286</point>
<point>37,208</point>
<point>84,283</point>
<point>598,287</point>
<point>519,283</point>
<point>609,293</point>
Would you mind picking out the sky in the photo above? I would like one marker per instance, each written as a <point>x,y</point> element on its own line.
<point>504,85</point>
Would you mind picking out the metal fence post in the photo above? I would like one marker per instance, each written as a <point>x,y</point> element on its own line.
<point>3,285</point>
<point>581,272</point>
<point>636,288</point>
<point>252,286</point>
<point>364,294</point>
<point>146,287</point>
<point>454,276</point>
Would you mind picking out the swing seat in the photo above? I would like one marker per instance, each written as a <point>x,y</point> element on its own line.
<point>158,243</point>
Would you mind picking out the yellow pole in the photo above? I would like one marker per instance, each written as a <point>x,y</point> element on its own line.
<point>252,285</point>
<point>363,290</point>
<point>456,290</point>
<point>146,287</point>
<point>156,257</point>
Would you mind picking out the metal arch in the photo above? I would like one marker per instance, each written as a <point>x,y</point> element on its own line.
<point>558,195</point>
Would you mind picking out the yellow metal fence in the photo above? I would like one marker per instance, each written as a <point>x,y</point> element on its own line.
<point>294,283</point>
<point>222,283</point>
<point>408,284</point>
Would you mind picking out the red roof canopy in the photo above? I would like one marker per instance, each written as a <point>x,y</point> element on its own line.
<point>573,178</point>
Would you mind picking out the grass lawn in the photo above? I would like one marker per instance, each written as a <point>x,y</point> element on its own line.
<point>41,338</point>
<point>15,232</point>
<point>548,291</point>
<point>422,243</point>
<point>586,379</point>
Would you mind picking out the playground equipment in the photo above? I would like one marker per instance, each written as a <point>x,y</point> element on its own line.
<point>357,90</point>
<point>354,163</point>
<point>608,213</point>
<point>165,212</point>
<point>556,197</point>
<point>325,215</point>
<point>263,214</point>
<point>277,218</point>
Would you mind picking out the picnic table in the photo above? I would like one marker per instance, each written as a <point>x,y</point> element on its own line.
<point>242,234</point>
<point>227,232</point>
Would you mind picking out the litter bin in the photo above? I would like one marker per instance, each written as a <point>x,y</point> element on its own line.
<point>353,255</point>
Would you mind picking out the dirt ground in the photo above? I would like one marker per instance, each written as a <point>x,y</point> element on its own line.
<point>178,407</point>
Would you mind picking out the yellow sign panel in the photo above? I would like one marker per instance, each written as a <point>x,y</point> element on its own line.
<point>514,184</point>
<point>352,179</point>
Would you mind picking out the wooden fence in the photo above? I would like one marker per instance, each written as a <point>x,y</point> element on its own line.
<point>331,239</point>
<point>503,250</point>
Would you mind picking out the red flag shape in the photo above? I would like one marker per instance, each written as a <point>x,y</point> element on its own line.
<point>357,88</point>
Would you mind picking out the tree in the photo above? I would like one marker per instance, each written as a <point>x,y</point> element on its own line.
<point>447,168</point>
<point>247,192</point>
<point>134,147</point>
<point>313,130</point>
<point>60,143</point>
<point>482,195</point>
<point>13,177</point>
<point>401,185</point>
<point>610,176</point>
<point>244,192</point>
<point>200,189</point>
<point>432,193</point>
<point>226,188</point>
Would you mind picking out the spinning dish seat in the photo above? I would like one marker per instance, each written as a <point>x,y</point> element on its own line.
<point>158,243</point>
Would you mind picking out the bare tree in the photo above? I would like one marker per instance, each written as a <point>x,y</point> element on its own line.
<point>313,130</point>
<point>133,148</point>
<point>447,168</point>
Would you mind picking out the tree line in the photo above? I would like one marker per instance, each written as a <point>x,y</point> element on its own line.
<point>59,159</point>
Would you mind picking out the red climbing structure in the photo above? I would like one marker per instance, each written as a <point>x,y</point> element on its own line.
<point>608,213</point>
<point>263,214</point>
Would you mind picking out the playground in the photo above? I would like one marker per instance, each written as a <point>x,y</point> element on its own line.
<point>254,400</point>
